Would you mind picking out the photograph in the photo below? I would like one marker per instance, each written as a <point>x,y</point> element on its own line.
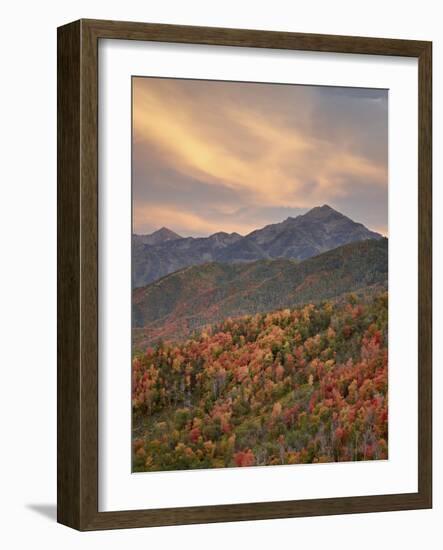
<point>259,274</point>
<point>244,274</point>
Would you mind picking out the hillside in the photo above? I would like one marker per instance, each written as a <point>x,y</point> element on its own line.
<point>193,297</point>
<point>288,387</point>
<point>319,230</point>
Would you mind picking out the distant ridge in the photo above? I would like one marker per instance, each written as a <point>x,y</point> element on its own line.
<point>321,229</point>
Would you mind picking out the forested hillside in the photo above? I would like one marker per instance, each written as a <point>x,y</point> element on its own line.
<point>294,386</point>
<point>183,302</point>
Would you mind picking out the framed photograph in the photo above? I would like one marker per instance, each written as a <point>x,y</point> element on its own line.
<point>244,275</point>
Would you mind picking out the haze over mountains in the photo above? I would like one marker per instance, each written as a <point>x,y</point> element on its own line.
<point>187,300</point>
<point>319,230</point>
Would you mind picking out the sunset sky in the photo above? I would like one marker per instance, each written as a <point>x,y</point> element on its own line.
<point>214,156</point>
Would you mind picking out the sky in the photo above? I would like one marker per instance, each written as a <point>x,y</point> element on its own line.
<point>213,156</point>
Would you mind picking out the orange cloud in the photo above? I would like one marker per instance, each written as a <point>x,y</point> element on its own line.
<point>185,222</point>
<point>226,140</point>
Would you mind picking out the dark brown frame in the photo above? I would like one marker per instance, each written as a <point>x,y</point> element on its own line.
<point>77,456</point>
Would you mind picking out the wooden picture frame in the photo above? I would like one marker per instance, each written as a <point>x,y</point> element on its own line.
<point>78,274</point>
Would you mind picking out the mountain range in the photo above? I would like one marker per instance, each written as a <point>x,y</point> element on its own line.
<point>185,301</point>
<point>321,229</point>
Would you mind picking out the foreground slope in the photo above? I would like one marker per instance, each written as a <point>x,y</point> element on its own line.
<point>301,386</point>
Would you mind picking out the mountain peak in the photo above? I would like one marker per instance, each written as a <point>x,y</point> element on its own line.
<point>162,235</point>
<point>224,238</point>
<point>164,231</point>
<point>225,234</point>
<point>324,210</point>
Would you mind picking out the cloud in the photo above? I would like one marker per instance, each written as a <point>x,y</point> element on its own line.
<point>188,222</point>
<point>237,147</point>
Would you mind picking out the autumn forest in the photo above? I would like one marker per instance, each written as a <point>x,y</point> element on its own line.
<point>294,386</point>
